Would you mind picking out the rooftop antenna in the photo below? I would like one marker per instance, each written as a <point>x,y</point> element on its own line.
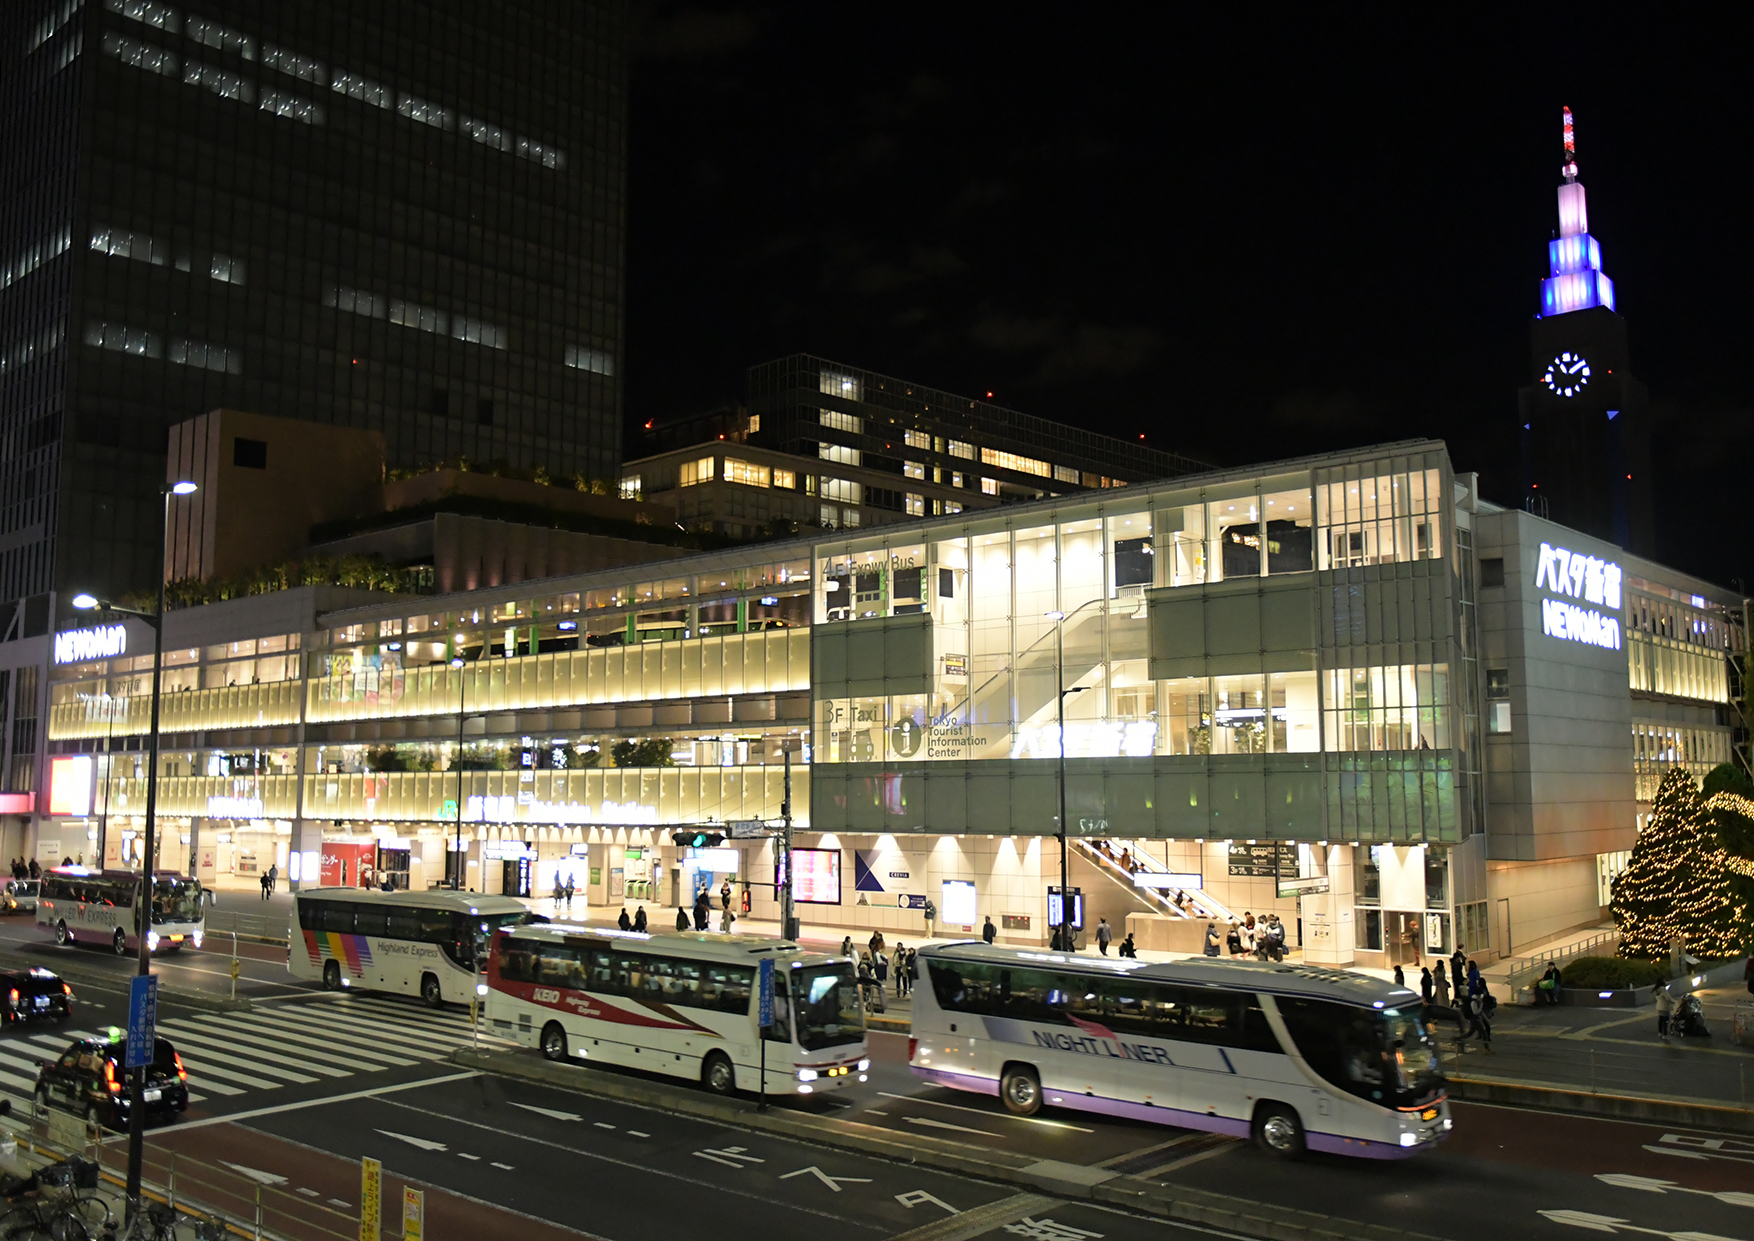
<point>1570,168</point>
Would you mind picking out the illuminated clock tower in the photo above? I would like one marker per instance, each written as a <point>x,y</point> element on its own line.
<point>1586,432</point>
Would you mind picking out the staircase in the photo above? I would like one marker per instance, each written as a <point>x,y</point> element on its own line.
<point>1160,901</point>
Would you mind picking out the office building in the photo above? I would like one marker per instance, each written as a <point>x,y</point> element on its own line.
<point>822,444</point>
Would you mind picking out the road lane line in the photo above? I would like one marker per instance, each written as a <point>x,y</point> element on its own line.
<point>209,1049</point>
<point>988,1217</point>
<point>1033,1120</point>
<point>308,1103</point>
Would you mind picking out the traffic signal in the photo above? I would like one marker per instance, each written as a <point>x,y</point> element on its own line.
<point>698,840</point>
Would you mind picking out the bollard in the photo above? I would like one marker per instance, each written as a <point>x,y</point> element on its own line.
<point>1592,1070</point>
<point>258,1213</point>
<point>170,1182</point>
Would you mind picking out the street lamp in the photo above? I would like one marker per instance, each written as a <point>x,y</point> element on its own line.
<point>462,684</point>
<point>1060,619</point>
<point>85,602</point>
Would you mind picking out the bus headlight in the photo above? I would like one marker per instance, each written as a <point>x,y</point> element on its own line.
<point>806,1075</point>
<point>152,941</point>
<point>1409,1139</point>
<point>198,936</point>
<point>864,1065</point>
<point>1448,1124</point>
<point>480,988</point>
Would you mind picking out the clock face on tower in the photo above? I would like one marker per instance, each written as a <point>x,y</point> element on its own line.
<point>1567,375</point>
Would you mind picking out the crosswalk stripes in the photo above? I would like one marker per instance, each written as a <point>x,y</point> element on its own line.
<point>270,1046</point>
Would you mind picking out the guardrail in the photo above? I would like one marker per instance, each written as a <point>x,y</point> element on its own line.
<point>270,928</point>
<point>1522,975</point>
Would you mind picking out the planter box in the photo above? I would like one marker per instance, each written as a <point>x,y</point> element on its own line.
<point>1636,997</point>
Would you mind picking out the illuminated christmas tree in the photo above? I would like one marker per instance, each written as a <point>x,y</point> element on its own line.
<point>1732,816</point>
<point>1677,882</point>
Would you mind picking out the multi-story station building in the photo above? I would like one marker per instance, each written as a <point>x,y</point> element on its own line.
<point>1342,688</point>
<point>823,444</point>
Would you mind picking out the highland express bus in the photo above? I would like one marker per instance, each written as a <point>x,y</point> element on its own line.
<point>84,905</point>
<point>1294,1057</point>
<point>428,944</point>
<point>683,1004</point>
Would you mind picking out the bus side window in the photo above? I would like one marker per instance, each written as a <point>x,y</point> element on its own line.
<point>337,916</point>
<point>309,916</point>
<point>727,988</point>
<point>369,920</point>
<point>402,924</point>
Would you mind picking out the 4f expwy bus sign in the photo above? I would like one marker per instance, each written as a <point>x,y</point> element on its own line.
<point>76,646</point>
<point>1588,578</point>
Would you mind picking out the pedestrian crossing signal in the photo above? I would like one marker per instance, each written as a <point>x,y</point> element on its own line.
<point>698,840</point>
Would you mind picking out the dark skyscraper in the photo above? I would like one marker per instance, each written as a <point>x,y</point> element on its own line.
<point>406,217</point>
<point>1586,431</point>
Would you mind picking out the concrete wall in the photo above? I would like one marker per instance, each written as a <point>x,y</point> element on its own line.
<point>1545,898</point>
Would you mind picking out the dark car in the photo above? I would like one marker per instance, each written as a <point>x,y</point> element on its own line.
<point>28,994</point>
<point>91,1079</point>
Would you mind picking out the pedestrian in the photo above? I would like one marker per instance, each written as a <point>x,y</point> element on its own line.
<point>846,947</point>
<point>898,967</point>
<point>639,919</point>
<point>1233,938</point>
<point>875,944</point>
<point>1248,932</point>
<point>1665,1012</point>
<point>1103,935</point>
<point>1128,948</point>
<point>1476,984</point>
<point>726,918</point>
<point>1212,939</point>
<point>703,910</point>
<point>880,967</point>
<point>907,969</point>
<point>36,872</point>
<point>624,922</point>
<point>1425,984</point>
<point>1547,989</point>
<point>989,932</point>
<point>273,874</point>
<point>725,895</point>
<point>1458,973</point>
<point>1440,987</point>
<point>682,923</point>
<point>559,889</point>
<point>569,892</point>
<point>1475,1008</point>
<point>1400,978</point>
<point>1748,974</point>
<point>264,882</point>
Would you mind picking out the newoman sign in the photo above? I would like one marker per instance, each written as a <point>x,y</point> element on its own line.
<point>1589,579</point>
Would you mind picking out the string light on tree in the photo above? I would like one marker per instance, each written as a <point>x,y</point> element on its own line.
<point>1677,882</point>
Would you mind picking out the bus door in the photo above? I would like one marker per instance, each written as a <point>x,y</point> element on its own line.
<point>782,1052</point>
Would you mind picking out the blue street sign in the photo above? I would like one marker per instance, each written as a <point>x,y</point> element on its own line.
<point>142,1020</point>
<point>766,1012</point>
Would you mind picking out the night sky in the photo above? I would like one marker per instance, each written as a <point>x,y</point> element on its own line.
<point>1247,239</point>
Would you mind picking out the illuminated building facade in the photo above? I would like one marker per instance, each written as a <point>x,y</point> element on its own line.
<point>1342,688</point>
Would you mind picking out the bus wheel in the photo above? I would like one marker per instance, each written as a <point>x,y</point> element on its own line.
<point>121,942</point>
<point>1278,1131</point>
<point>553,1041</point>
<point>1020,1090</point>
<point>62,935</point>
<point>331,976</point>
<point>717,1074</point>
<point>429,991</point>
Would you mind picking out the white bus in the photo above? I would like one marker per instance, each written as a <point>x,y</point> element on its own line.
<point>412,943</point>
<point>82,905</point>
<point>683,1004</point>
<point>1295,1057</point>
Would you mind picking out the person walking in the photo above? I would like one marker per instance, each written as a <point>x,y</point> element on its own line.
<point>1212,939</point>
<point>1475,1008</point>
<point>725,895</point>
<point>846,947</point>
<point>36,872</point>
<point>1665,1012</point>
<point>639,919</point>
<point>1104,934</point>
<point>273,875</point>
<point>1440,987</point>
<point>1425,984</point>
<point>624,922</point>
<point>703,910</point>
<point>1400,977</point>
<point>1458,973</point>
<point>875,944</point>
<point>907,972</point>
<point>1233,938</point>
<point>726,918</point>
<point>898,967</point>
<point>682,922</point>
<point>1128,948</point>
<point>989,932</point>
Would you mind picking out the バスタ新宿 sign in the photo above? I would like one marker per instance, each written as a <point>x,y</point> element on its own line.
<point>1589,579</point>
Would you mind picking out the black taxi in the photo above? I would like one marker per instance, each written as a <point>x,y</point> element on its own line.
<point>90,1078</point>
<point>30,994</point>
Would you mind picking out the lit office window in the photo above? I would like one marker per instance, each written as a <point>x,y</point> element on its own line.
<point>45,29</point>
<point>414,315</point>
<point>478,332</point>
<point>959,449</point>
<point>836,383</point>
<point>836,452</point>
<point>989,486</point>
<point>1397,707</point>
<point>292,107</point>
<point>225,85</point>
<point>122,244</point>
<point>842,489</point>
<point>35,255</point>
<point>141,55</point>
<point>122,339</point>
<point>152,14</point>
<point>913,469</point>
<point>416,109</point>
<point>955,478</point>
<point>786,479</point>
<point>630,487</point>
<point>487,135</point>
<point>746,472</point>
<point>916,505</point>
<point>917,439</point>
<point>1065,473</point>
<point>363,89</point>
<point>1013,461</point>
<point>597,361</point>
<point>208,357</point>
<point>227,269</point>
<point>292,64</point>
<point>356,301</point>
<point>952,506</point>
<point>29,350</point>
<point>1380,519</point>
<point>839,421</point>
<point>694,472</point>
<point>547,156</point>
<point>221,37</point>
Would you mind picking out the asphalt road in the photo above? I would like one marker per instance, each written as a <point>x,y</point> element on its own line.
<point>296,1090</point>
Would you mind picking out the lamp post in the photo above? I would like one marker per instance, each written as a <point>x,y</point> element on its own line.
<point>137,1079</point>
<point>1060,619</point>
<point>462,685</point>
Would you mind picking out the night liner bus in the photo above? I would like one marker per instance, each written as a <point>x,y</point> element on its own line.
<point>1296,1057</point>
<point>88,906</point>
<point>413,943</point>
<point>682,1004</point>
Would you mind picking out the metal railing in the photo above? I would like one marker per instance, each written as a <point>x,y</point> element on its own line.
<point>1536,963</point>
<point>270,927</point>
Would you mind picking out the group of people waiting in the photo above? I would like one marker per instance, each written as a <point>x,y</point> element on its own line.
<point>1263,939</point>
<point>876,964</point>
<point>703,911</point>
<point>1473,1003</point>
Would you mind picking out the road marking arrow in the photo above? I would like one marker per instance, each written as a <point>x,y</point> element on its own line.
<point>915,1197</point>
<point>1651,1185</point>
<point>1609,1223</point>
<point>833,1182</point>
<point>548,1111</point>
<point>255,1174</point>
<point>424,1144</point>
<point>928,1123</point>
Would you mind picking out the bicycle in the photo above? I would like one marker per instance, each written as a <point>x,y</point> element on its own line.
<point>159,1222</point>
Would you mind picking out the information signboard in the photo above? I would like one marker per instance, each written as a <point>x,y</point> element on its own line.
<point>1267,861</point>
<point>142,1020</point>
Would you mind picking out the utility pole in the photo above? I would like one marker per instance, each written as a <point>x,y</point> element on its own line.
<point>788,918</point>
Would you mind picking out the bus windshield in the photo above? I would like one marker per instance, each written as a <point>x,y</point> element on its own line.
<point>176,900</point>
<point>829,1010</point>
<point>1386,1055</point>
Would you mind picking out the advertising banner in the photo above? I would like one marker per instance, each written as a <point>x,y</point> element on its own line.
<point>888,870</point>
